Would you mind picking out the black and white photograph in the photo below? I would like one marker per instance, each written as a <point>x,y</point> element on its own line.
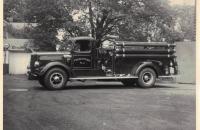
<point>99,64</point>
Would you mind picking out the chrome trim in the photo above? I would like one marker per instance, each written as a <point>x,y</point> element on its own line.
<point>103,77</point>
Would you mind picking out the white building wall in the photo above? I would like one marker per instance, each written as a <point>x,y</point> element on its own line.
<point>18,62</point>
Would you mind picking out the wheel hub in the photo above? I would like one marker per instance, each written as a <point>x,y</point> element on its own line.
<point>147,77</point>
<point>56,78</point>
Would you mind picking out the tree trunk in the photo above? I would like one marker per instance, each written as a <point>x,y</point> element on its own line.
<point>91,19</point>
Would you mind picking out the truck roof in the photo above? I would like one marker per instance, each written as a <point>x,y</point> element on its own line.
<point>82,38</point>
<point>129,43</point>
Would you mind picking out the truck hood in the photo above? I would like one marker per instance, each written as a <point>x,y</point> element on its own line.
<point>51,53</point>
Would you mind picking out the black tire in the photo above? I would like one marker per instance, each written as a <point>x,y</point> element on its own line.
<point>55,79</point>
<point>41,81</point>
<point>146,78</point>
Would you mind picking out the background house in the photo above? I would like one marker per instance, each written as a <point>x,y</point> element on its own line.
<point>16,56</point>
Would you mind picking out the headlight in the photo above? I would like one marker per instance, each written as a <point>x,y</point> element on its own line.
<point>36,64</point>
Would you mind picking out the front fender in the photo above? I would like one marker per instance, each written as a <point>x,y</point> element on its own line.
<point>138,67</point>
<point>55,64</point>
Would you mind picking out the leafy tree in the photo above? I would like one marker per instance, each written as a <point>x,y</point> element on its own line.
<point>50,16</point>
<point>135,20</point>
<point>100,17</point>
<point>185,21</point>
<point>103,18</point>
<point>19,33</point>
<point>14,9</point>
<point>146,19</point>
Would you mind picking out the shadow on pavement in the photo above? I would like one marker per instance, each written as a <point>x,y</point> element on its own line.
<point>105,86</point>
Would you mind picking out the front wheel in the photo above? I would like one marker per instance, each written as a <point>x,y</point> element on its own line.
<point>55,79</point>
<point>146,78</point>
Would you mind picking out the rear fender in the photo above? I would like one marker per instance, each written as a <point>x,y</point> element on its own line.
<point>151,64</point>
<point>56,64</point>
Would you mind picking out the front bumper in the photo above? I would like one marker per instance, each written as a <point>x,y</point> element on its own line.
<point>31,76</point>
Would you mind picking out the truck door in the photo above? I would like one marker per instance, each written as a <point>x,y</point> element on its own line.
<point>82,55</point>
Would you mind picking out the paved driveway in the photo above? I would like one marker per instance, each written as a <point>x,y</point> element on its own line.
<point>97,106</point>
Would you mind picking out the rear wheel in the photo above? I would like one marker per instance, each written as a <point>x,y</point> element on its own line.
<point>146,78</point>
<point>55,79</point>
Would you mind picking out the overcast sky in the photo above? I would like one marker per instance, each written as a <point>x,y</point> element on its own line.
<point>182,2</point>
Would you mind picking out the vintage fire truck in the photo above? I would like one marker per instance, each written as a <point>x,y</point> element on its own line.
<point>131,63</point>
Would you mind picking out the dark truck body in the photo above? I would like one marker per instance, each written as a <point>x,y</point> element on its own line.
<point>128,62</point>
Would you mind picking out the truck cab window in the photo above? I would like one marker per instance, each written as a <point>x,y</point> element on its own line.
<point>82,46</point>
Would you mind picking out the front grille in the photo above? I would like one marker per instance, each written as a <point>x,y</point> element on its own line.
<point>32,61</point>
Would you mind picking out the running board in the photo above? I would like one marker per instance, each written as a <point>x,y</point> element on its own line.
<point>168,76</point>
<point>103,77</point>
